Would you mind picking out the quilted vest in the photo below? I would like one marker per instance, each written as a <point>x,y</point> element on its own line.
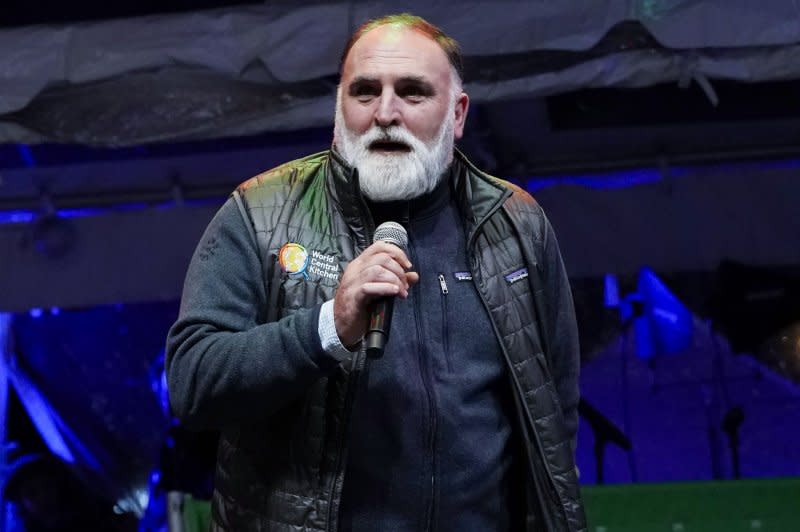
<point>287,474</point>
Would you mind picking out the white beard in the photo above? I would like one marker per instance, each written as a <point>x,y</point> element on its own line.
<point>396,175</point>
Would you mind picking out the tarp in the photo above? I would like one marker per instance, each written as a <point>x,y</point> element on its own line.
<point>273,67</point>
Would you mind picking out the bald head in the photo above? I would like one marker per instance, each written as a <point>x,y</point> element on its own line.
<point>448,45</point>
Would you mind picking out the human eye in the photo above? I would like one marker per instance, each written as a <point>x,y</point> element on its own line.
<point>413,96</point>
<point>364,92</point>
<point>414,91</point>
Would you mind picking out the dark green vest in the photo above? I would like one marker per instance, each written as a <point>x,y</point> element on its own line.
<point>287,473</point>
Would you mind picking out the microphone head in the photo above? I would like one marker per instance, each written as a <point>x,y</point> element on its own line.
<point>392,232</point>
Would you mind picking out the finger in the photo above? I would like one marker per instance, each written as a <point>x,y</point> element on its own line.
<point>393,251</point>
<point>375,290</point>
<point>412,278</point>
<point>378,274</point>
<point>385,263</point>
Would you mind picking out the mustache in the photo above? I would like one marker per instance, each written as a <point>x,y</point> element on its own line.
<point>391,135</point>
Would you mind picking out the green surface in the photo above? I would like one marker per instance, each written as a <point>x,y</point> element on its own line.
<point>771,505</point>
<point>196,514</point>
<point>768,505</point>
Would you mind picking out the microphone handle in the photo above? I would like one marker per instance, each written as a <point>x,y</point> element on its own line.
<point>379,323</point>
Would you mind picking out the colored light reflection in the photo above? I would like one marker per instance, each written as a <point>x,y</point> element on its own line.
<point>28,216</point>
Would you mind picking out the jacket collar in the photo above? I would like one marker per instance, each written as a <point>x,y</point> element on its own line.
<point>343,187</point>
<point>477,194</point>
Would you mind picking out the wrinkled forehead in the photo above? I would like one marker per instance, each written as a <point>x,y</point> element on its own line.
<point>396,47</point>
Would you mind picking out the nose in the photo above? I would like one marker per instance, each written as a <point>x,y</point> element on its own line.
<point>388,111</point>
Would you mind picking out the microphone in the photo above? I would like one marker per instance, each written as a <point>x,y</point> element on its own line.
<point>380,319</point>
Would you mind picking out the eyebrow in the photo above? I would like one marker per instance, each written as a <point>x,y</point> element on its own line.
<point>361,81</point>
<point>405,80</point>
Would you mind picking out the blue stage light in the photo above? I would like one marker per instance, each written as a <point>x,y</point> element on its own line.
<point>666,323</point>
<point>661,323</point>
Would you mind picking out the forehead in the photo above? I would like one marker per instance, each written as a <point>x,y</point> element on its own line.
<point>396,50</point>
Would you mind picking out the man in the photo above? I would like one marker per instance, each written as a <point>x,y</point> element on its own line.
<point>467,422</point>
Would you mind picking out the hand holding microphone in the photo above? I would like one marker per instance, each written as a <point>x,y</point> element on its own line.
<point>364,299</point>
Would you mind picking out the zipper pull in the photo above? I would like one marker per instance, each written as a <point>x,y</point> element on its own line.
<point>443,284</point>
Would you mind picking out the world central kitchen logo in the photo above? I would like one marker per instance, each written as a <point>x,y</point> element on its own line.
<point>297,261</point>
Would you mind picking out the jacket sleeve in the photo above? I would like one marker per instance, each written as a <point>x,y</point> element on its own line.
<point>224,365</point>
<point>561,330</point>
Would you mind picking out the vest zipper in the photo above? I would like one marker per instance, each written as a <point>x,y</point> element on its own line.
<point>518,389</point>
<point>445,332</point>
<point>471,238</point>
<point>359,364</point>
